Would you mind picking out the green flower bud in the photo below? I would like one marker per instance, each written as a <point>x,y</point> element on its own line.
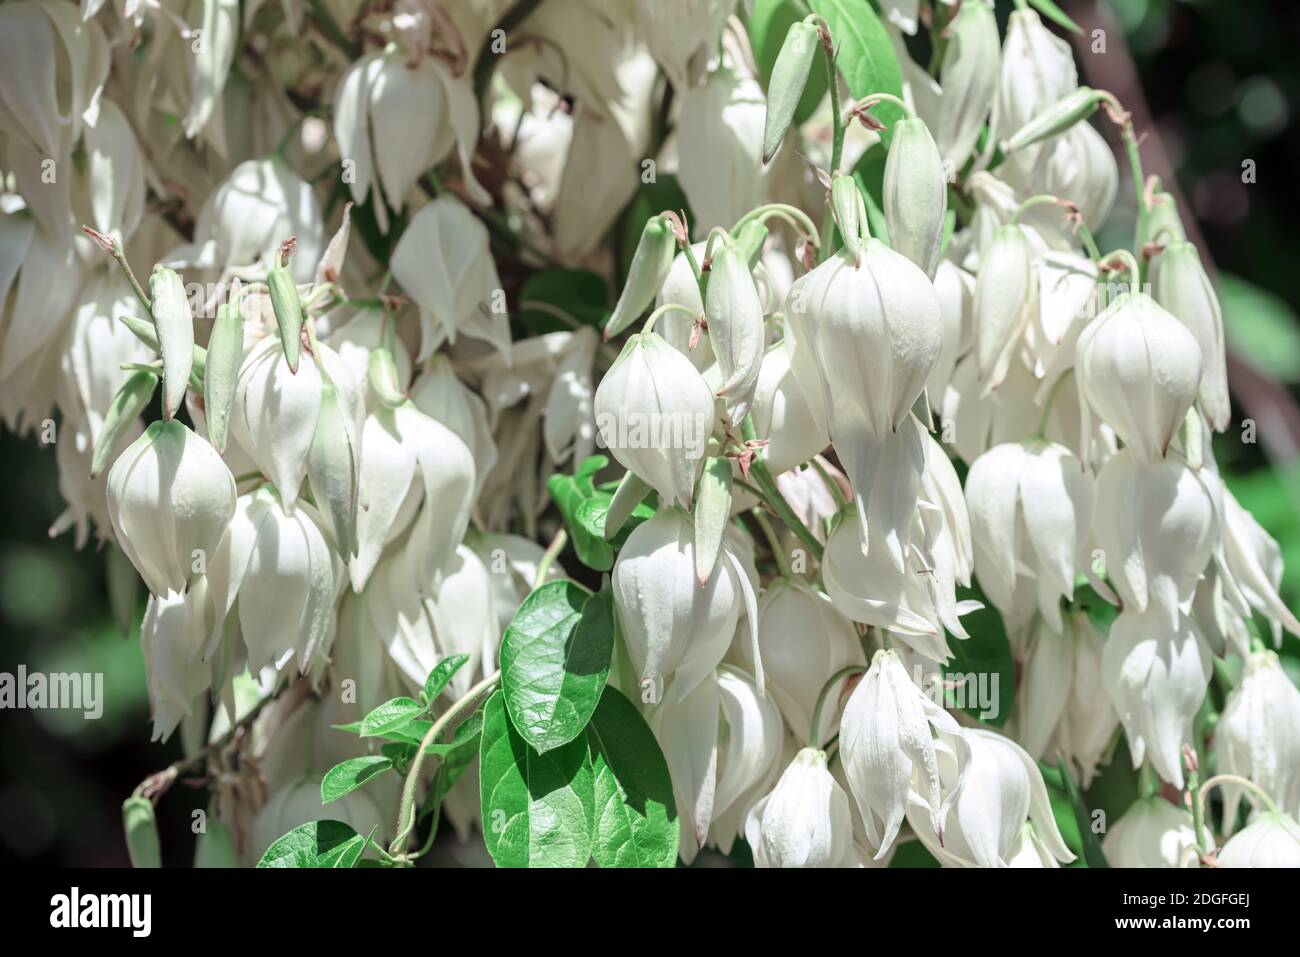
<point>789,76</point>
<point>141,832</point>
<point>1163,225</point>
<point>712,510</point>
<point>175,328</point>
<point>650,264</point>
<point>288,313</point>
<point>1057,118</point>
<point>915,194</point>
<point>122,412</point>
<point>332,467</point>
<point>850,212</point>
<point>382,375</point>
<point>225,352</point>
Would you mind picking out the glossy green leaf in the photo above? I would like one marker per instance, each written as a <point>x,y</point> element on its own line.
<point>1092,853</point>
<point>351,774</point>
<point>636,813</point>
<point>553,300</point>
<point>554,662</point>
<point>441,675</point>
<point>314,844</point>
<point>538,809</point>
<point>389,716</point>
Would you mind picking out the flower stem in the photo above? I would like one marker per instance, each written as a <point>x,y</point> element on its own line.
<point>775,500</point>
<point>548,557</point>
<point>774,543</point>
<point>113,246</point>
<point>406,809</point>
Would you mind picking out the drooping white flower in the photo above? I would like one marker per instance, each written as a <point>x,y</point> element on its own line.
<point>1138,368</point>
<point>1088,721</point>
<point>805,821</point>
<point>1030,509</point>
<point>1254,559</point>
<point>170,498</point>
<point>720,149</point>
<point>1037,71</point>
<point>1004,301</point>
<point>1156,676</point>
<point>276,567</point>
<point>1272,839</point>
<point>1002,789</point>
<point>1151,833</point>
<point>443,263</point>
<point>891,738</point>
<point>1156,525</point>
<point>172,637</point>
<point>876,331</point>
<point>720,741</point>
<point>1258,736</point>
<point>969,77</point>
<point>796,671</point>
<point>789,407</point>
<point>682,35</point>
<point>673,626</point>
<point>655,414</point>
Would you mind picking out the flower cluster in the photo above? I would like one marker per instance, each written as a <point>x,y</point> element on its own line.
<point>909,518</point>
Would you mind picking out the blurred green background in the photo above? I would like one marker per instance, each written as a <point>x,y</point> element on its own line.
<point>1220,78</point>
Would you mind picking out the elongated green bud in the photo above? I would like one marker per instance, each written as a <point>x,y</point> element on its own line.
<point>789,77</point>
<point>712,510</point>
<point>122,411</point>
<point>915,194</point>
<point>288,313</point>
<point>629,494</point>
<point>141,832</point>
<point>650,264</point>
<point>331,467</point>
<point>1057,118</point>
<point>144,330</point>
<point>225,352</point>
<point>850,212</point>
<point>382,374</point>
<point>752,238</point>
<point>1163,225</point>
<point>175,327</point>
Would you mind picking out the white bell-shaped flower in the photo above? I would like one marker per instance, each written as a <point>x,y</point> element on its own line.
<point>796,671</point>
<point>1151,833</point>
<point>1185,290</point>
<point>1272,839</point>
<point>394,444</point>
<point>1030,509</point>
<point>655,413</point>
<point>969,76</point>
<point>673,626</point>
<point>1138,368</point>
<point>1254,559</point>
<point>278,569</point>
<point>172,636</point>
<point>682,35</point>
<point>1157,528</point>
<point>1258,735</point>
<point>805,821</point>
<point>1002,789</point>
<point>876,332</point>
<point>789,407</point>
<point>891,738</point>
<point>1088,721</point>
<point>1004,301</point>
<point>720,741</point>
<point>170,498</point>
<point>1156,677</point>
<point>1037,70</point>
<point>720,147</point>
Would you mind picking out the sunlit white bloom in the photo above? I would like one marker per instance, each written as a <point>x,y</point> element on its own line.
<point>1087,722</point>
<point>805,821</point>
<point>720,149</point>
<point>1271,840</point>
<point>1151,833</point>
<point>892,736</point>
<point>1254,560</point>
<point>1001,789</point>
<point>170,497</point>
<point>1258,736</point>
<point>172,637</point>
<point>1037,70</point>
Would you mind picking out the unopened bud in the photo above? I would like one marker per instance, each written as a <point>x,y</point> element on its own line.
<point>122,412</point>
<point>225,351</point>
<point>1057,118</point>
<point>712,509</point>
<point>650,264</point>
<point>288,313</point>
<point>789,77</point>
<point>175,327</point>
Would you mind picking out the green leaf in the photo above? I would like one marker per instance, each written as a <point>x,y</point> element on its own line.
<point>455,757</point>
<point>636,813</point>
<point>551,294</point>
<point>554,661</point>
<point>389,716</point>
<point>314,844</point>
<point>441,674</point>
<point>569,493</point>
<point>351,774</point>
<point>1261,328</point>
<point>768,26</point>
<point>350,854</point>
<point>467,732</point>
<point>984,660</point>
<point>538,809</point>
<point>864,54</point>
<point>1054,13</point>
<point>912,854</point>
